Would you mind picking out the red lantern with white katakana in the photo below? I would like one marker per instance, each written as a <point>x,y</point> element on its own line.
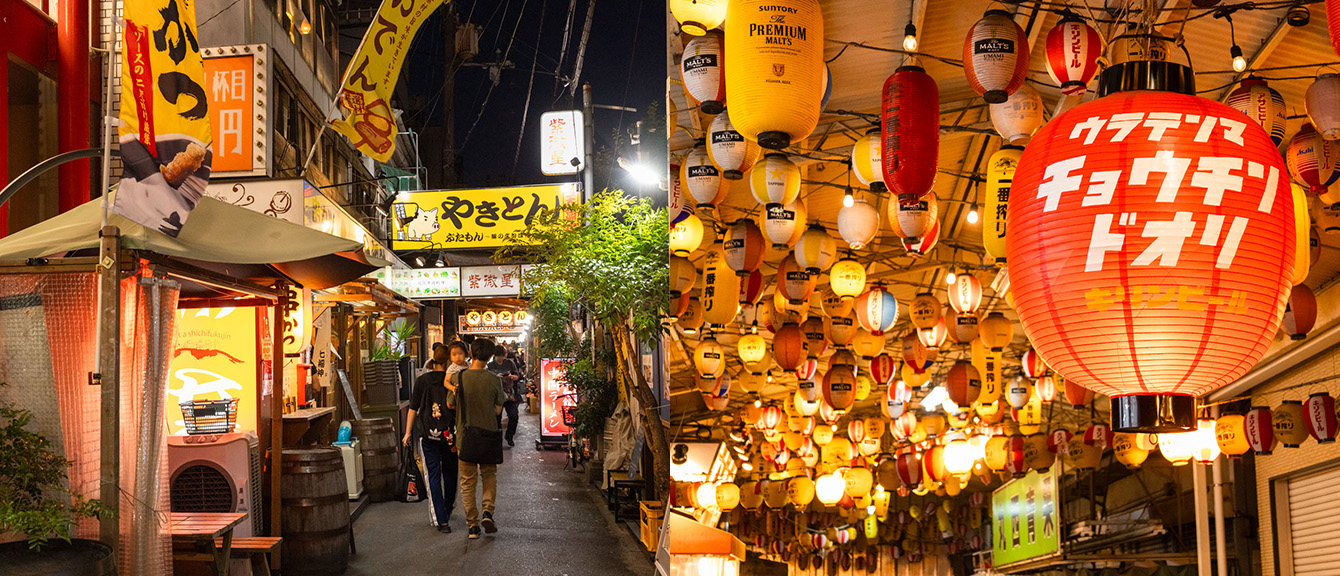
<point>965,293</point>
<point>1058,440</point>
<point>807,368</point>
<point>910,132</point>
<point>964,383</point>
<point>995,56</point>
<point>883,368</point>
<point>1154,267</point>
<point>1014,457</point>
<point>751,289</point>
<point>1301,313</point>
<point>1319,413</point>
<point>1313,162</point>
<point>1099,435</point>
<point>1032,363</point>
<point>1073,48</point>
<point>1260,427</point>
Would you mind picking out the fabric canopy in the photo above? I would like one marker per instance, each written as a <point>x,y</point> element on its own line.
<point>216,232</point>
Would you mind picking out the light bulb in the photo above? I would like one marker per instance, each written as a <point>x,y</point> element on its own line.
<point>441,262</point>
<point>910,38</point>
<point>950,278</point>
<point>747,465</point>
<point>758,403</point>
<point>972,214</point>
<point>754,329</point>
<point>870,509</point>
<point>847,199</point>
<point>834,427</point>
<point>1239,63</point>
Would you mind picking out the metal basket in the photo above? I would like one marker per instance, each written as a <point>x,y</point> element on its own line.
<point>209,416</point>
<point>569,416</point>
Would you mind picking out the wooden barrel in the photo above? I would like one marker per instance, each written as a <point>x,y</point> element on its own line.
<point>314,511</point>
<point>381,457</point>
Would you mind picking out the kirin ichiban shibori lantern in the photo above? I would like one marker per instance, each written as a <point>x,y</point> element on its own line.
<point>995,56</point>
<point>866,160</point>
<point>696,17</point>
<point>730,151</point>
<point>1073,48</point>
<point>1158,309</point>
<point>776,73</point>
<point>1018,117</point>
<point>910,132</point>
<point>999,179</point>
<point>1262,104</point>
<point>703,74</point>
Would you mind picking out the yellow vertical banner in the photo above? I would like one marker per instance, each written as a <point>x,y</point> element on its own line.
<point>165,133</point>
<point>365,94</point>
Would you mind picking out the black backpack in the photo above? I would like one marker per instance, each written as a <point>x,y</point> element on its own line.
<point>437,425</point>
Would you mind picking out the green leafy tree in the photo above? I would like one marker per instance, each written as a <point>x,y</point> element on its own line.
<point>610,255</point>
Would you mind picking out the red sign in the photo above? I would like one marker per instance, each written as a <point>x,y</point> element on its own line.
<point>553,397</point>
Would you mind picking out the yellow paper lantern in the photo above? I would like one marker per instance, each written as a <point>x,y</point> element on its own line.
<point>1287,420</point>
<point>1082,455</point>
<point>934,423</point>
<point>775,495</point>
<point>996,331</point>
<point>823,435</point>
<point>1036,454</point>
<point>867,162</point>
<point>751,495</point>
<point>912,378</point>
<point>775,180</point>
<point>830,488</point>
<point>925,311</point>
<point>815,250</point>
<point>721,288</point>
<point>866,344</point>
<point>751,348</point>
<point>1230,432</point>
<point>776,73</point>
<point>1177,447</point>
<point>1205,448</point>
<point>710,358</point>
<point>1302,223</point>
<point>728,496</point>
<point>958,457</point>
<point>706,494</point>
<point>871,525</point>
<point>996,191</point>
<point>691,319</point>
<point>800,490</point>
<point>918,434</point>
<point>1131,448</point>
<point>863,387</point>
<point>686,236</point>
<point>805,406</point>
<point>846,278</point>
<point>696,17</point>
<point>859,481</point>
<point>995,453</point>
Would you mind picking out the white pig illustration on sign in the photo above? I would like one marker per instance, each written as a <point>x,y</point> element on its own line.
<point>422,226</point>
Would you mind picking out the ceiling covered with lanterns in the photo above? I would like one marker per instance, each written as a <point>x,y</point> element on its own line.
<point>863,45</point>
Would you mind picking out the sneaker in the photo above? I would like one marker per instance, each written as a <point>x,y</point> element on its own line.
<point>489,525</point>
<point>445,529</point>
<point>511,442</point>
<point>474,532</point>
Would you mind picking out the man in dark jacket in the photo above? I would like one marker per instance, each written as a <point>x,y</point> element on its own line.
<point>506,369</point>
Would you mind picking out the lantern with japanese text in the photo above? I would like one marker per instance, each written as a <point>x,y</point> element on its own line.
<point>910,131</point>
<point>1036,454</point>
<point>911,217</point>
<point>1262,104</point>
<point>1083,293</point>
<point>883,368</point>
<point>816,338</point>
<point>877,310</point>
<point>999,178</point>
<point>1301,312</point>
<point>751,289</point>
<point>751,348</point>
<point>720,288</point>
<point>840,330</point>
<point>1058,441</point>
<point>1231,434</point>
<point>1319,412</point>
<point>1014,457</point>
<point>1045,388</point>
<point>847,278</point>
<point>858,224</point>
<point>1131,448</point>
<point>1313,162</point>
<point>1099,435</point>
<point>776,75</point>
<point>782,224</point>
<point>743,246</point>
<point>1287,421</point>
<point>788,347</point>
<point>1083,456</point>
<point>1019,116</point>
<point>962,326</point>
<point>775,180</point>
<point>1032,363</point>
<point>996,331</point>
<point>703,74</point>
<point>915,353</point>
<point>691,318</point>
<point>730,152</point>
<point>925,311</point>
<point>866,161</point>
<point>815,250</point>
<point>1073,48</point>
<point>995,56</point>
<point>793,283</point>
<point>1322,102</point>
<point>964,383</point>
<point>1019,392</point>
<point>682,276</point>
<point>965,293</point>
<point>839,389</point>
<point>1259,429</point>
<point>925,243</point>
<point>686,236</point>
<point>710,358</point>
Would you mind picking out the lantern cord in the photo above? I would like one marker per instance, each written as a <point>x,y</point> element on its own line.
<point>1284,389</point>
<point>1236,82</point>
<point>836,56</point>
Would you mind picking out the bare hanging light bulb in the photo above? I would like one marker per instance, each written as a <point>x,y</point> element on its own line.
<point>847,199</point>
<point>910,38</point>
<point>972,214</point>
<point>1239,63</point>
<point>950,278</point>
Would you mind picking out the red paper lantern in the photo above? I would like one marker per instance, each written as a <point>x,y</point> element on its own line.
<point>962,326</point>
<point>1077,395</point>
<point>934,336</point>
<point>1046,388</point>
<point>965,293</point>
<point>909,469</point>
<point>1313,162</point>
<point>1033,364</point>
<point>1099,435</point>
<point>744,246</point>
<point>915,353</point>
<point>856,431</point>
<point>839,389</point>
<point>995,56</point>
<point>883,368</point>
<point>1097,296</point>
<point>1259,424</point>
<point>1319,412</point>
<point>1058,441</point>
<point>910,132</point>
<point>964,383</point>
<point>770,418</point>
<point>903,426</point>
<point>1073,48</point>
<point>807,368</point>
<point>894,404</point>
<point>877,310</point>
<point>1014,457</point>
<point>788,347</point>
<point>1300,315</point>
<point>751,289</point>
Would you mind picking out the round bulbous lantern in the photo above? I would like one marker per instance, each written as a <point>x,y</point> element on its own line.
<point>916,355</point>
<point>964,383</point>
<point>686,236</point>
<point>995,56</point>
<point>682,276</point>
<point>776,73</point>
<point>788,347</point>
<point>1300,315</point>
<point>867,344</point>
<point>883,368</point>
<point>1230,432</point>
<point>877,310</point>
<point>1073,48</point>
<point>1287,421</point>
<point>925,243</point>
<point>839,389</point>
<point>751,348</point>
<point>1019,116</point>
<point>710,358</point>
<point>925,311</point>
<point>1319,411</point>
<point>999,178</point>
<point>965,293</point>
<point>934,336</point>
<point>696,17</point>
<point>815,250</point>
<point>691,319</point>
<point>910,131</point>
<point>866,162</point>
<point>1084,275</point>
<point>794,284</point>
<point>996,331</point>
<point>816,337</point>
<point>1263,105</point>
<point>1313,162</point>
<point>962,326</point>
<point>841,330</point>
<point>1322,102</point>
<point>702,179</point>
<point>1259,429</point>
<point>847,278</point>
<point>752,284</point>
<point>783,224</point>
<point>912,217</point>
<point>743,246</point>
<point>858,224</point>
<point>730,151</point>
<point>703,74</point>
<point>1032,363</point>
<point>775,180</point>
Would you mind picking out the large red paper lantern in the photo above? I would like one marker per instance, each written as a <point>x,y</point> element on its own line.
<point>1181,300</point>
<point>910,132</point>
<point>1300,315</point>
<point>965,293</point>
<point>744,246</point>
<point>995,56</point>
<point>1259,424</point>
<point>1073,48</point>
<point>1319,413</point>
<point>964,383</point>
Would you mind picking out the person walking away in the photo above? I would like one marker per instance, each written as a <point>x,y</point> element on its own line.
<point>479,400</point>
<point>507,371</point>
<point>434,449</point>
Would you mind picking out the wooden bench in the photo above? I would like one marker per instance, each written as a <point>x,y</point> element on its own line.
<point>256,548</point>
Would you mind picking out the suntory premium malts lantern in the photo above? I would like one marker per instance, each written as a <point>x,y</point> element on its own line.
<point>730,151</point>
<point>703,74</point>
<point>1212,204</point>
<point>1262,104</point>
<point>776,73</point>
<point>995,56</point>
<point>910,131</point>
<point>996,194</point>
<point>784,223</point>
<point>1073,48</point>
<point>912,217</point>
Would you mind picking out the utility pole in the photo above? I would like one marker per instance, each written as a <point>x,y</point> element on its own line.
<point>589,136</point>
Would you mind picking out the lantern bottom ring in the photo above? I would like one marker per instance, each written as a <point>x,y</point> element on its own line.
<point>693,28</point>
<point>771,139</point>
<point>1154,413</point>
<point>712,107</point>
<point>995,96</point>
<point>732,174</point>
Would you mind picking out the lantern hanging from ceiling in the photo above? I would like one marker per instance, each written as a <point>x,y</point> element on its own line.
<point>995,56</point>
<point>1019,392</point>
<point>866,162</point>
<point>794,284</point>
<point>883,368</point>
<point>1323,105</point>
<point>710,358</point>
<point>788,347</point>
<point>777,68</point>
<point>751,289</point>
<point>909,469</point>
<point>1287,421</point>
<point>863,385</point>
<point>1045,388</point>
<point>856,430</point>
<point>1115,342</point>
<point>816,339</point>
<point>996,191</point>
<point>703,74</point>
<point>911,217</point>
<point>1302,224</point>
<point>783,224</point>
<point>815,250</point>
<point>867,344</point>
<point>965,293</point>
<point>1263,105</point>
<point>994,453</point>
<point>925,311</point>
<point>751,348</point>
<point>1301,312</point>
<point>1131,448</point>
<point>800,491</point>
<point>682,276</point>
<point>1018,117</point>
<point>702,179</point>
<point>730,152</point>
<point>1036,454</point>
<point>925,243</point>
<point>909,374</point>
<point>1032,363</point>
<point>1083,456</point>
<point>877,310</point>
<point>1204,447</point>
<point>1177,447</point>
<point>775,180</point>
<point>743,246</point>
<point>1320,417</point>
<point>1259,429</point>
<point>1058,441</point>
<point>1073,48</point>
<point>910,131</point>
<point>1328,216</point>
<point>721,288</point>
<point>962,326</point>
<point>686,236</point>
<point>858,224</point>
<point>696,17</point>
<point>933,463</point>
<point>1230,433</point>
<point>691,319</point>
<point>905,424</point>
<point>996,331</point>
<point>1333,23</point>
<point>807,407</point>
<point>1014,457</point>
<point>750,382</point>
<point>916,355</point>
<point>894,405</point>
<point>1313,162</point>
<point>678,306</point>
<point>678,207</point>
<point>847,278</point>
<point>841,330</point>
<point>935,336</point>
<point>1075,394</point>
<point>964,383</point>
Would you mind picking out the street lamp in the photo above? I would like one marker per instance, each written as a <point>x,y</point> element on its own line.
<point>642,173</point>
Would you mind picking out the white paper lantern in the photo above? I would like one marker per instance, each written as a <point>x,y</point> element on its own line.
<point>858,224</point>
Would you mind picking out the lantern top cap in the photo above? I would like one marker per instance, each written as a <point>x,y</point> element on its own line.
<point>1293,401</point>
<point>1252,81</point>
<point>873,129</point>
<point>910,68</point>
<point>1011,147</point>
<point>1068,16</point>
<point>775,154</point>
<point>996,12</point>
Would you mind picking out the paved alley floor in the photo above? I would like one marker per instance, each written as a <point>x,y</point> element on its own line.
<point>550,523</point>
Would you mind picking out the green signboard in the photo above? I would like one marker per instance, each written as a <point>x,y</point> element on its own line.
<point>1026,519</point>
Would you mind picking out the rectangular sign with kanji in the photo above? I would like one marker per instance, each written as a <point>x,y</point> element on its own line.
<point>1026,520</point>
<point>561,143</point>
<point>491,281</point>
<point>237,78</point>
<point>479,218</point>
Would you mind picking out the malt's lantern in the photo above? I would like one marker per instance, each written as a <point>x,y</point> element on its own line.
<point>1018,117</point>
<point>682,276</point>
<point>999,177</point>
<point>1032,364</point>
<point>964,383</point>
<point>816,338</point>
<point>995,56</point>
<point>1263,105</point>
<point>1081,289</point>
<point>866,344</point>
<point>1300,315</point>
<point>911,217</point>
<point>710,358</point>
<point>788,347</point>
<point>910,131</point>
<point>965,293</point>
<point>841,330</point>
<point>962,326</point>
<point>925,311</point>
<point>794,284</point>
<point>925,243</point>
<point>1287,420</point>
<point>1073,48</point>
<point>776,75</point>
<point>731,152</point>
<point>815,250</point>
<point>703,74</point>
<point>1019,392</point>
<point>1131,448</point>
<point>858,224</point>
<point>996,331</point>
<point>783,224</point>
<point>847,278</point>
<point>893,405</point>
<point>1259,429</point>
<point>1322,102</point>
<point>1319,413</point>
<point>775,180</point>
<point>866,161</point>
<point>1230,433</point>
<point>743,247</point>
<point>877,310</point>
<point>686,236</point>
<point>1313,162</point>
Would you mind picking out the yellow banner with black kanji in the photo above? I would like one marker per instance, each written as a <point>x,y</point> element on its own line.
<point>365,94</point>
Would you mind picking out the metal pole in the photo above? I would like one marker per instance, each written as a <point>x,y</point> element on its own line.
<point>108,377</point>
<point>1202,520</point>
<point>277,412</point>
<point>1220,549</point>
<point>589,136</point>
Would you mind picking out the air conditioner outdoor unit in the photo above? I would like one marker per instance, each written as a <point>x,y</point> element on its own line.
<point>217,473</point>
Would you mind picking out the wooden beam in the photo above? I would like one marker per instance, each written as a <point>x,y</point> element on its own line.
<point>82,264</point>
<point>223,303</point>
<point>109,378</point>
<point>1259,57</point>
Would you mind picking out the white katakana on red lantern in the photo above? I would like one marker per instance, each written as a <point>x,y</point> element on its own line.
<point>1073,48</point>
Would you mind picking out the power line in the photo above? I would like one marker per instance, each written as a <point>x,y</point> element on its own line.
<point>493,85</point>
<point>581,50</point>
<point>525,110</point>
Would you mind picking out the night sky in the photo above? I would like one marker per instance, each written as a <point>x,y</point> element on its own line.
<point>625,61</point>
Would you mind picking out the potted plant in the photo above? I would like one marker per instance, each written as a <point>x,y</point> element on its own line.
<point>36,505</point>
<point>382,372</point>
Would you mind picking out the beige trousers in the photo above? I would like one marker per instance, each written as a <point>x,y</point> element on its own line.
<point>469,473</point>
